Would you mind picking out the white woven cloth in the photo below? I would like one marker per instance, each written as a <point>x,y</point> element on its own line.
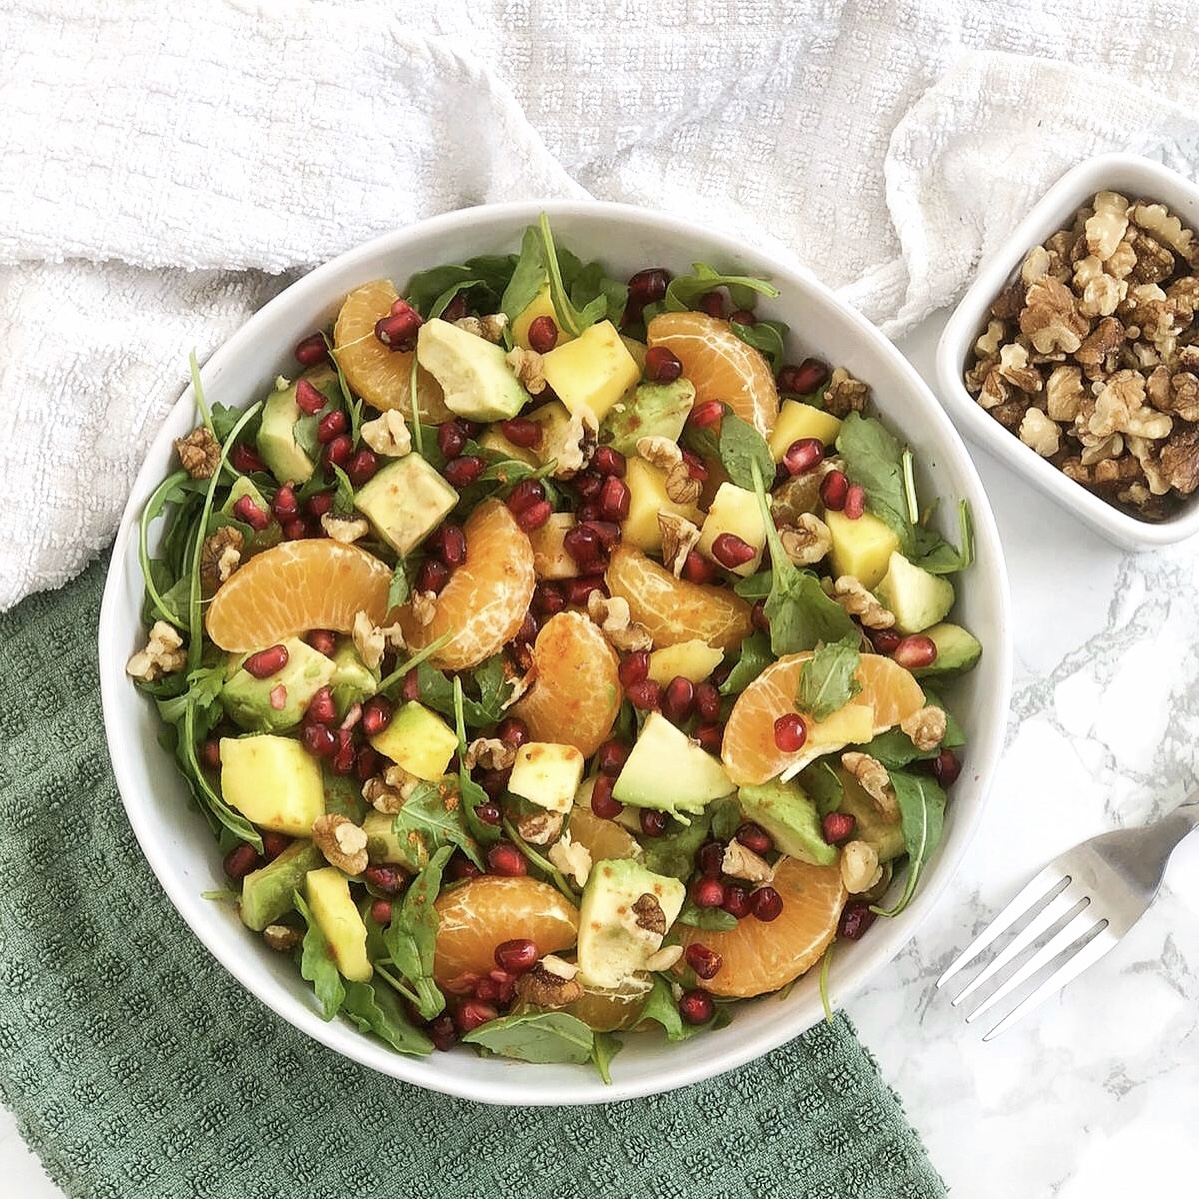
<point>167,168</point>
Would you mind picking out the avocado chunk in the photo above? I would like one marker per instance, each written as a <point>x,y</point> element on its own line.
<point>917,598</point>
<point>886,836</point>
<point>547,774</point>
<point>352,681</point>
<point>248,700</point>
<point>266,892</point>
<point>474,373</point>
<point>272,781</point>
<point>668,771</point>
<point>336,916</point>
<point>405,502</point>
<point>957,650</point>
<point>655,410</point>
<point>790,817</point>
<point>382,844</point>
<point>418,740</point>
<point>625,913</point>
<point>277,445</point>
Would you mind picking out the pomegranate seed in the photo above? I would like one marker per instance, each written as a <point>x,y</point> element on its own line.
<point>367,763</point>
<point>790,732</point>
<point>653,823</point>
<point>583,544</point>
<point>548,598</point>
<point>398,330</point>
<point>251,514</point>
<point>707,702</point>
<point>611,757</point>
<point>345,756</point>
<point>803,455</point>
<point>376,715</point>
<point>614,499</point>
<point>460,867</point>
<point>915,652</point>
<point>678,699</point>
<point>331,425</point>
<point>707,892</point>
<point>388,879</point>
<point>697,568</point>
<point>516,956</point>
<point>856,918</point>
<point>455,310</point>
<point>837,827</point>
<point>489,813</point>
<point>338,451</point>
<point>410,687</point>
<point>766,903</point>
<point>527,633</point>
<point>736,900</point>
<point>732,551</point>
<point>587,512</point>
<point>855,501</point>
<point>946,768</point>
<point>210,754</point>
<point>442,1032</point>
<point>696,1006</point>
<point>645,695</point>
<point>522,432</point>
<point>662,365</point>
<point>381,911</point>
<point>295,530</point>
<point>311,350</point>
<point>507,860</point>
<point>809,376</point>
<point>449,542</point>
<point>706,415</point>
<point>451,438</point>
<point>712,302</point>
<point>742,316</point>
<point>266,662</point>
<point>487,990</point>
<point>602,803</point>
<point>885,641</point>
<point>321,708</point>
<point>284,506</point>
<point>361,467</point>
<point>695,466</point>
<point>648,286</point>
<point>319,504</point>
<point>464,470</point>
<point>710,859</point>
<point>308,399</point>
<point>634,668</point>
<point>474,1013</point>
<point>588,484</point>
<point>704,961</point>
<point>834,487</point>
<point>245,459</point>
<point>758,617</point>
<point>709,737</point>
<point>524,495</point>
<point>240,861</point>
<point>608,531</point>
<point>542,335</point>
<point>578,590</point>
<point>754,837</point>
<point>318,740</point>
<point>609,462</point>
<point>535,515</point>
<point>432,576</point>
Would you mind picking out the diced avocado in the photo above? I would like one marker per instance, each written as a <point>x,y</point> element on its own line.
<point>886,836</point>
<point>918,599</point>
<point>473,372</point>
<point>790,817</point>
<point>406,501</point>
<point>550,557</point>
<point>957,650</point>
<point>276,442</point>
<point>417,739</point>
<point>547,774</point>
<point>647,497</point>
<point>382,844</point>
<point>352,679</point>
<point>861,548</point>
<point>266,893</point>
<point>592,372</point>
<point>273,781</point>
<point>693,660</point>
<point>796,421</point>
<point>668,771</point>
<point>337,917</point>
<point>248,700</point>
<point>734,510</point>
<point>654,410</point>
<point>542,305</point>
<point>625,913</point>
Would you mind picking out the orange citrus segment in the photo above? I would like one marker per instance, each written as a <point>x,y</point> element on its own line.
<point>604,839</point>
<point>381,376</point>
<point>761,956</point>
<point>576,693</point>
<point>749,753</point>
<point>720,365</point>
<point>486,599</point>
<point>486,911</point>
<point>674,610</point>
<point>611,1009</point>
<point>316,583</point>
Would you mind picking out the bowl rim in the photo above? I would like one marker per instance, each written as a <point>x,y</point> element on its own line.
<point>1047,215</point>
<point>985,745</point>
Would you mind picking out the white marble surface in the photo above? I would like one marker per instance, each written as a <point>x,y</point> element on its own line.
<point>1097,1095</point>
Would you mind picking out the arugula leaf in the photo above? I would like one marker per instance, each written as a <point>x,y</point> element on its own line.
<point>433,815</point>
<point>710,918</point>
<point>874,459</point>
<point>411,936</point>
<point>822,785</point>
<point>528,275</point>
<point>437,692</point>
<point>591,282</point>
<point>740,446</point>
<point>827,681</point>
<point>431,292</point>
<point>726,816</point>
<point>352,403</point>
<point>673,853</point>
<point>755,586</point>
<point>606,1047</point>
<point>922,817</point>
<point>755,657</point>
<point>937,556</point>
<point>894,749</point>
<point>470,793</point>
<point>684,291</point>
<point>399,591</point>
<point>224,419</point>
<point>343,498</point>
<point>573,320</point>
<point>764,336</point>
<point>661,1008</point>
<point>535,1036</point>
<point>316,963</point>
<point>381,1012</point>
<point>167,492</point>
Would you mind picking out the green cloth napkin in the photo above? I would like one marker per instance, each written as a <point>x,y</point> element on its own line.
<point>137,1067</point>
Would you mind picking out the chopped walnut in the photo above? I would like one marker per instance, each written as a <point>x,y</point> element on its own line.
<point>282,938</point>
<point>389,795</point>
<point>1039,433</point>
<point>648,914</point>
<point>1183,296</point>
<point>859,867</point>
<point>1099,352</point>
<point>164,654</point>
<point>857,601</point>
<point>661,452</point>
<point>372,641</point>
<point>1035,266</point>
<point>424,607</point>
<point>740,862</point>
<point>1063,393</point>
<point>679,537</point>
<point>572,858</point>
<point>1168,229</point>
<point>346,529</point>
<point>807,541</point>
<point>526,365</point>
<point>540,827</point>
<point>1120,408</point>
<point>342,842</point>
<point>489,752</point>
<point>489,328</point>
<point>1180,460</point>
<point>199,453</point>
<point>1008,303</point>
<point>873,778</point>
<point>681,488</point>
<point>1142,450</point>
<point>388,434</point>
<point>220,556</point>
<point>845,394</point>
<point>988,343</point>
<point>995,390</point>
<point>926,727</point>
<point>1051,319</point>
<point>1154,261</point>
<point>1109,447</point>
<point>1015,368</point>
<point>546,986</point>
<point>1099,293</point>
<point>616,622</point>
<point>1106,229</point>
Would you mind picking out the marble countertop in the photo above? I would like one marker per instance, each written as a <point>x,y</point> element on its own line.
<point>1096,1096</point>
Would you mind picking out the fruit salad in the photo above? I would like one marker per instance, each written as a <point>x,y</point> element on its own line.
<point>556,658</point>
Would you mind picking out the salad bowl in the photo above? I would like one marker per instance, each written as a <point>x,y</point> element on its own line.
<point>173,834</point>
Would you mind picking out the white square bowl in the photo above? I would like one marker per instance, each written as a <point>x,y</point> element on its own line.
<point>1133,177</point>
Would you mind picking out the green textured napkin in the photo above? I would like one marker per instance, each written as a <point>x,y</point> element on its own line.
<point>137,1067</point>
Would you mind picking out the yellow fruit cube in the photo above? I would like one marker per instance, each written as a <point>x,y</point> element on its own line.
<point>861,547</point>
<point>693,660</point>
<point>592,372</point>
<point>797,420</point>
<point>273,782</point>
<point>417,739</point>
<point>550,559</point>
<point>734,510</point>
<point>547,774</point>
<point>336,915</point>
<point>542,305</point>
<point>493,439</point>
<point>647,497</point>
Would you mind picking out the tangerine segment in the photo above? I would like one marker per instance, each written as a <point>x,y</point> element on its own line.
<point>381,376</point>
<point>759,957</point>
<point>612,1009</point>
<point>604,839</point>
<point>749,752</point>
<point>486,911</point>
<point>720,364</point>
<point>485,601</point>
<point>295,586</point>
<point>674,610</point>
<point>576,693</point>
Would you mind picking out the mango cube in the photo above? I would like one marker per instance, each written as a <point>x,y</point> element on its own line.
<point>798,420</point>
<point>273,782</point>
<point>693,660</point>
<point>592,372</point>
<point>336,915</point>
<point>547,774</point>
<point>647,497</point>
<point>418,740</point>
<point>405,502</point>
<point>493,439</point>
<point>861,547</point>
<point>734,510</point>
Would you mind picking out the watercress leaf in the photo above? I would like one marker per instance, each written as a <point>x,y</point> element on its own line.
<point>764,336</point>
<point>433,814</point>
<point>399,591</point>
<point>684,291</point>
<point>605,1048</point>
<point>591,283</point>
<point>661,1008</point>
<point>741,445</point>
<point>304,433</point>
<point>412,934</point>
<point>437,692</point>
<point>826,680</point>
<point>381,1012</point>
<point>874,459</point>
<point>710,918</point>
<point>528,275</point>
<point>534,1036</point>
<point>569,317</point>
<point>316,963</point>
<point>922,817</point>
<point>224,419</point>
<point>755,657</point>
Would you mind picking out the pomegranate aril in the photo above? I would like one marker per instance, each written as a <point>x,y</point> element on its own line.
<point>614,499</point>
<point>251,514</point>
<point>321,708</point>
<point>246,460</point>
<point>707,892</point>
<point>542,334</point>
<point>856,918</point>
<point>527,633</point>
<point>754,837</point>
<point>460,867</point>
<point>588,484</point>
<point>410,687</point>
<point>388,879</point>
<point>338,451</point>
<point>273,844</point>
<point>885,641</point>
<point>713,303</point>
<point>696,1006</point>
<point>645,695</point>
<point>742,316</point>
<point>696,467</point>
<point>319,504</point>
<point>758,617</point>
<point>464,470</point>
<point>331,425</point>
<point>432,576</point>
<point>366,764</point>
<point>790,732</point>
<point>296,530</point>
<point>697,568</point>
<point>284,506</point>
<point>240,861</point>
<point>381,911</point>
<point>451,438</point>
<point>318,740</point>
<point>706,415</point>
<point>308,400</point>
<point>803,455</point>
<point>548,599</point>
<point>602,803</point>
<point>809,376</point>
<point>579,590</point>
<point>766,903</point>
<point>449,542</point>
<point>837,827</point>
<point>345,755</point>
<point>707,702</point>
<point>611,757</point>
<point>266,662</point>
<point>609,462</point>
<point>915,652</point>
<point>678,699</point>
<point>704,961</point>
<point>442,1032</point>
<point>588,511</point>
<point>489,813</point>
<point>855,501</point>
<point>524,495</point>
<point>456,309</point>
<point>210,754</point>
<point>516,956</point>
<point>512,731</point>
<point>653,823</point>
<point>662,365</point>
<point>583,544</point>
<point>608,532</point>
<point>834,487</point>
<point>522,432</point>
<point>311,350</point>
<point>361,467</point>
<point>732,551</point>
<point>709,737</point>
<point>710,859</point>
<point>946,768</point>
<point>398,330</point>
<point>633,668</point>
<point>473,1013</point>
<point>507,860</point>
<point>535,515</point>
<point>736,900</point>
<point>649,286</point>
<point>376,715</point>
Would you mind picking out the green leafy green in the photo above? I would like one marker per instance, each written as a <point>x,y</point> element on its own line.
<point>381,1012</point>
<point>673,853</point>
<point>740,447</point>
<point>765,336</point>
<point>936,555</point>
<point>316,963</point>
<point>726,816</point>
<point>399,591</point>
<point>755,586</point>
<point>755,657</point>
<point>412,935</point>
<point>470,794</point>
<point>709,918</point>
<point>874,459</point>
<point>485,278</point>
<point>822,785</point>
<point>169,491</point>
<point>528,275</point>
<point>827,681</point>
<point>571,319</point>
<point>894,750</point>
<point>536,1036</point>
<point>685,291</point>
<point>433,814</point>
<point>343,497</point>
<point>606,1047</point>
<point>662,1009</point>
<point>437,692</point>
<point>590,282</point>
<point>922,817</point>
<point>353,404</point>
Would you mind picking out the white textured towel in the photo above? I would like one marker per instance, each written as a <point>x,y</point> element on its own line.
<point>166,170</point>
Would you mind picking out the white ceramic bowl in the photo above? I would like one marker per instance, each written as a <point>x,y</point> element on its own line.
<point>177,842</point>
<point>1135,178</point>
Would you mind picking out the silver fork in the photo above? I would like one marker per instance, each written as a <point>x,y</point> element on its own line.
<point>1100,889</point>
